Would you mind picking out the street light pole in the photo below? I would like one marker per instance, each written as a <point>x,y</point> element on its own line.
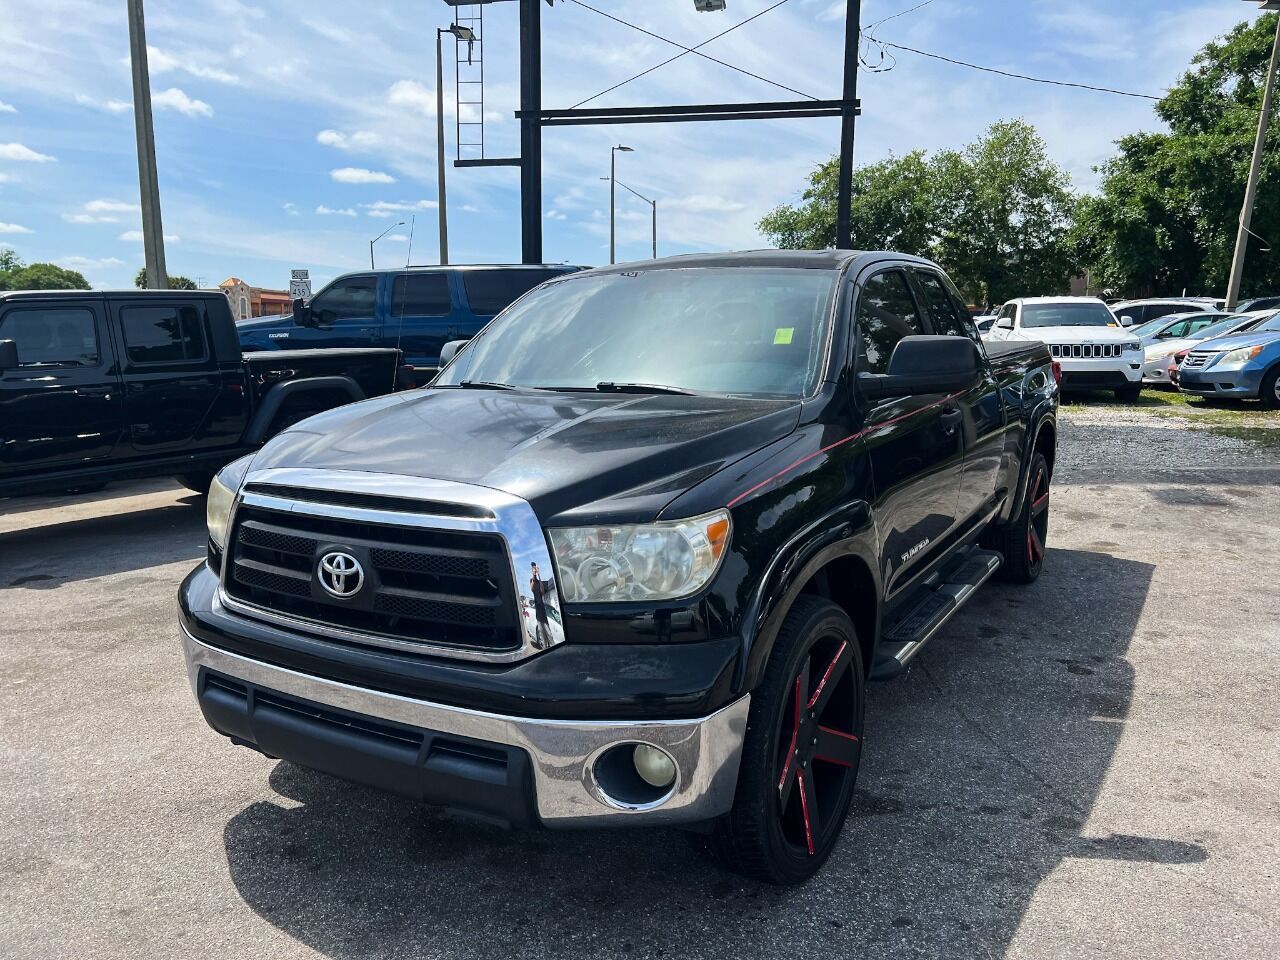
<point>1251,186</point>
<point>613,194</point>
<point>379,237</point>
<point>443,208</point>
<point>654,204</point>
<point>148,180</point>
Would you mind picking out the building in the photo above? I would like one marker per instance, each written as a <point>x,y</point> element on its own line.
<point>247,301</point>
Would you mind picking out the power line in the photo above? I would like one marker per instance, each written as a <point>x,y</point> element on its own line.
<point>1017,76</point>
<point>894,16</point>
<point>688,50</point>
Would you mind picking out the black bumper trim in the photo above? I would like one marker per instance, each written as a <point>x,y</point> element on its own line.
<point>491,781</point>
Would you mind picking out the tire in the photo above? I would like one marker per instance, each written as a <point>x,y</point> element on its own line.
<point>199,482</point>
<point>1270,392</point>
<point>1129,394</point>
<point>792,799</point>
<point>1022,542</point>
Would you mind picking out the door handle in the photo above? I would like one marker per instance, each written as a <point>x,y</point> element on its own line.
<point>951,418</point>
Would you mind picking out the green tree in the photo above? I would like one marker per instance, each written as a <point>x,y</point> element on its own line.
<point>39,276</point>
<point>995,214</point>
<point>9,259</point>
<point>175,282</point>
<point>1165,216</point>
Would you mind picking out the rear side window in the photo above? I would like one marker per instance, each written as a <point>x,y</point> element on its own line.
<point>162,334</point>
<point>886,313</point>
<point>421,295</point>
<point>944,309</point>
<point>64,337</point>
<point>492,291</point>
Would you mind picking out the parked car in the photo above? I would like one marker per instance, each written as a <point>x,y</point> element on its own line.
<point>1138,312</point>
<point>633,556</point>
<point>1243,365</point>
<point>1175,326</point>
<point>984,323</point>
<point>1083,335</point>
<point>1156,367</point>
<point>98,386</point>
<point>1258,303</point>
<point>417,309</point>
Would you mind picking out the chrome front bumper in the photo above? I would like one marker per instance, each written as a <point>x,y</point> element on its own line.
<point>563,753</point>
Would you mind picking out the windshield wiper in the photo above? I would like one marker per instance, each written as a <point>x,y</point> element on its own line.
<point>608,386</point>
<point>484,385</point>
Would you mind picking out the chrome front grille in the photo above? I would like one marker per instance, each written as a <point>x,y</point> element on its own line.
<point>444,587</point>
<point>447,568</point>
<point>1086,351</point>
<point>1196,360</point>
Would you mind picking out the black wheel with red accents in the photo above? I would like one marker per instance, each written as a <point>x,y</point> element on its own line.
<point>801,752</point>
<point>1022,542</point>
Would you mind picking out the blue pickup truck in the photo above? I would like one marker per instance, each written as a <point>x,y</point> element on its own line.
<point>418,309</point>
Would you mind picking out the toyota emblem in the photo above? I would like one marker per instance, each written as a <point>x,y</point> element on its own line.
<point>340,574</point>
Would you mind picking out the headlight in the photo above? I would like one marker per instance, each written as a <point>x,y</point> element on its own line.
<point>652,561</point>
<point>1133,345</point>
<point>1239,357</point>
<point>222,494</point>
<point>1160,353</point>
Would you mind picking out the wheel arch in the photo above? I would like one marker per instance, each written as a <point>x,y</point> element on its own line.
<point>838,562</point>
<point>314,387</point>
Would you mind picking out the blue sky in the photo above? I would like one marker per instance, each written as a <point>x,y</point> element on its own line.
<point>290,133</point>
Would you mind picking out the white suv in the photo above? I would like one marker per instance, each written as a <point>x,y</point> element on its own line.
<point>1083,335</point>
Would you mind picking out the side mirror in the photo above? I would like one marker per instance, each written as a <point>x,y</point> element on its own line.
<point>450,350</point>
<point>8,355</point>
<point>1005,323</point>
<point>302,313</point>
<point>924,365</point>
<point>1126,321</point>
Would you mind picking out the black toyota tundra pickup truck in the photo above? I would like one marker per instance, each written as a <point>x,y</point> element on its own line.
<point>98,386</point>
<point>634,555</point>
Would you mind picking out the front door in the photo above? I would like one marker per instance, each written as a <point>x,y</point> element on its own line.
<point>982,425</point>
<point>343,315</point>
<point>914,443</point>
<point>61,406</point>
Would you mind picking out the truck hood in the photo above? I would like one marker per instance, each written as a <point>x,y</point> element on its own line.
<point>1237,341</point>
<point>576,458</point>
<point>1079,334</point>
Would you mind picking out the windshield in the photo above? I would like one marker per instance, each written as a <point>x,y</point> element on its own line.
<point>1270,325</point>
<point>1067,315</point>
<point>1151,326</point>
<point>730,330</point>
<point>1218,329</point>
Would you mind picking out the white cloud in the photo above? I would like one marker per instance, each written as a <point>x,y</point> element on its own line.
<point>397,237</point>
<point>330,212</point>
<point>18,151</point>
<point>13,228</point>
<point>175,99</point>
<point>159,61</point>
<point>290,208</point>
<point>356,140</point>
<point>412,95</point>
<point>101,211</point>
<point>7,178</point>
<point>388,208</point>
<point>360,175</point>
<point>555,215</point>
<point>89,263</point>
<point>135,236</point>
<point>110,106</point>
<point>7,107</point>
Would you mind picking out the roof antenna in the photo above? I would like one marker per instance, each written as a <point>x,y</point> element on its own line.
<point>409,256</point>
<point>404,294</point>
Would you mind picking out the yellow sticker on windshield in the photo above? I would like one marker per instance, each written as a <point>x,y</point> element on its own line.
<point>783,334</point>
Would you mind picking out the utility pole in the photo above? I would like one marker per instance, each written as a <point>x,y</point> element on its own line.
<point>654,204</point>
<point>1251,186</point>
<point>848,114</point>
<point>613,198</point>
<point>530,131</point>
<point>148,182</point>
<point>443,208</point>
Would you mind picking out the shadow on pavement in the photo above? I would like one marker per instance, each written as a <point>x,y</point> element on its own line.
<point>981,767</point>
<point>101,543</point>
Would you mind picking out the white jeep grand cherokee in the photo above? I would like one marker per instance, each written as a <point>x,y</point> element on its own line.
<point>1083,335</point>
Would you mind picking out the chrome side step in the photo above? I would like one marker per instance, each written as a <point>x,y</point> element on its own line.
<point>903,639</point>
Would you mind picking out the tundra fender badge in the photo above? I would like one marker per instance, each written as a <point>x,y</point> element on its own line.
<point>916,549</point>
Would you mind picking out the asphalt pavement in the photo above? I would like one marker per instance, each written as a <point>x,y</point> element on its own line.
<point>1086,767</point>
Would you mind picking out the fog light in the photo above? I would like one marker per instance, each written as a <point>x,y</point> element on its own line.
<point>654,766</point>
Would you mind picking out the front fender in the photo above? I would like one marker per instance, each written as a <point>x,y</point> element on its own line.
<point>845,532</point>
